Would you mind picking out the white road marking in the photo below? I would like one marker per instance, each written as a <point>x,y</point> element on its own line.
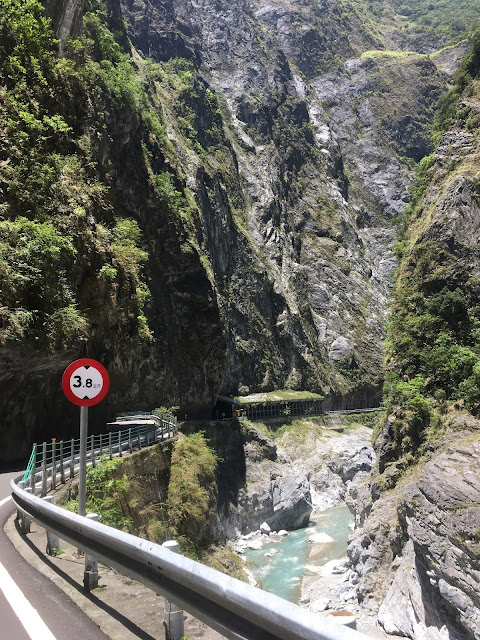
<point>28,616</point>
<point>4,501</point>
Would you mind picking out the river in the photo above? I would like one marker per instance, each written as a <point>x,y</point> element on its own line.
<point>282,573</point>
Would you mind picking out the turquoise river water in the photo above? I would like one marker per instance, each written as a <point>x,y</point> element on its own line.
<point>282,573</point>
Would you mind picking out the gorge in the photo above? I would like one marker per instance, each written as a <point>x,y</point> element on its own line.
<point>226,198</point>
<point>269,151</point>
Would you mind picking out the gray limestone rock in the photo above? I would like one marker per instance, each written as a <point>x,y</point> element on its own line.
<point>416,551</point>
<point>340,348</point>
<point>276,495</point>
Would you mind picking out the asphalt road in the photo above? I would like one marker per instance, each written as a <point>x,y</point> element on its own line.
<point>60,618</point>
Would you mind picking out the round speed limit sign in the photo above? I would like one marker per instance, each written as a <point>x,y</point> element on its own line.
<point>85,382</point>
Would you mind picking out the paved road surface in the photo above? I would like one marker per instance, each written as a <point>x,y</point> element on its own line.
<point>60,618</point>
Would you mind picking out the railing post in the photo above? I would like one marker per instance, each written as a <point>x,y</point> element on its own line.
<point>92,450</point>
<point>90,575</point>
<point>174,619</point>
<point>54,464</point>
<point>53,544</point>
<point>72,458</point>
<point>101,445</point>
<point>110,444</point>
<point>21,485</point>
<point>120,444</point>
<point>148,439</point>
<point>130,440</point>
<point>138,438</point>
<point>62,467</point>
<point>44,469</point>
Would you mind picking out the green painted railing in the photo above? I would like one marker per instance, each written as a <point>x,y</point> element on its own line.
<point>31,463</point>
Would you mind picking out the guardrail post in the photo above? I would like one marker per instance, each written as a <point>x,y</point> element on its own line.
<point>62,467</point>
<point>25,521</point>
<point>120,444</point>
<point>92,450</point>
<point>174,618</point>
<point>54,464</point>
<point>138,438</point>
<point>110,444</point>
<point>21,485</point>
<point>90,575</point>
<point>44,469</point>
<point>53,544</point>
<point>72,459</point>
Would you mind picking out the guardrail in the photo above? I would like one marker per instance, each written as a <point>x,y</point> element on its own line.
<point>235,609</point>
<point>54,462</point>
<point>347,411</point>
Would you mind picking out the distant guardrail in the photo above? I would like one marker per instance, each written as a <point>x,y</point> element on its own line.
<point>347,411</point>
<point>54,462</point>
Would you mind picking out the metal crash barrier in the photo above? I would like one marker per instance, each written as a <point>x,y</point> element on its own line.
<point>235,609</point>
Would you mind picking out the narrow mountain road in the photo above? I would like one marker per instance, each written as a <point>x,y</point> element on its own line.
<point>31,606</point>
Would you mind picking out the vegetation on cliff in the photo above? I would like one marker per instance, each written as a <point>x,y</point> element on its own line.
<point>55,206</point>
<point>99,242</point>
<point>167,491</point>
<point>433,354</point>
<point>444,20</point>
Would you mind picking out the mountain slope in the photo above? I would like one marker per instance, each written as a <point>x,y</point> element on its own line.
<point>206,196</point>
<point>415,551</point>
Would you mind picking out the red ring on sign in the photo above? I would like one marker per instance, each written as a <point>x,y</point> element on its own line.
<point>67,376</point>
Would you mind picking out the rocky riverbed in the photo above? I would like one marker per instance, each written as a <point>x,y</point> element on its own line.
<point>308,468</point>
<point>324,463</point>
<point>412,565</point>
<point>415,552</point>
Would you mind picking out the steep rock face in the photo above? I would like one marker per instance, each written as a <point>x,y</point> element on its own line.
<point>265,164</point>
<point>441,514</point>
<point>331,459</point>
<point>415,550</point>
<point>309,258</point>
<point>415,556</point>
<point>67,19</point>
<point>257,482</point>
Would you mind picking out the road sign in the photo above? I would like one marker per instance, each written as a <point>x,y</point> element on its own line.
<point>85,382</point>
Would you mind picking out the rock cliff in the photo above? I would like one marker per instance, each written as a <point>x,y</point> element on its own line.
<point>268,153</point>
<point>257,481</point>
<point>415,551</point>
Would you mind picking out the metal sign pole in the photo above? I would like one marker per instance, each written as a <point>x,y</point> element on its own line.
<point>82,483</point>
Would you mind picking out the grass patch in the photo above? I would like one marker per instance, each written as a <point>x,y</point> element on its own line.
<point>192,490</point>
<point>379,53</point>
<point>278,396</point>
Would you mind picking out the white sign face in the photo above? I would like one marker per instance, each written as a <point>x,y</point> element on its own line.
<point>86,382</point>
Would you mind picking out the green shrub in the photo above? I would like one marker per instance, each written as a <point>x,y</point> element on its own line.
<point>34,262</point>
<point>192,488</point>
<point>106,492</point>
